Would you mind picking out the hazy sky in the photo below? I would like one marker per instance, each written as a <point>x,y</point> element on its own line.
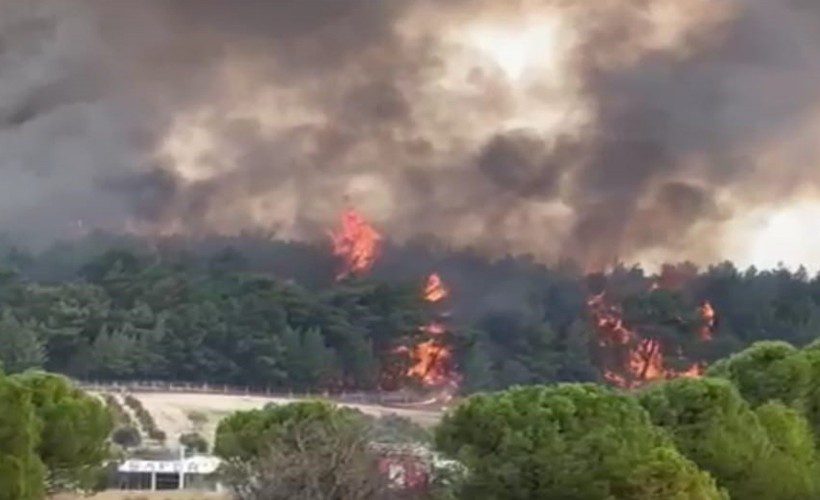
<point>610,129</point>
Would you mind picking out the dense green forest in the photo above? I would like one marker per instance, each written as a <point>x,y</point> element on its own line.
<point>270,314</point>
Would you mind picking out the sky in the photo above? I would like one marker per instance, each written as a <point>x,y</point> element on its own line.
<point>636,130</point>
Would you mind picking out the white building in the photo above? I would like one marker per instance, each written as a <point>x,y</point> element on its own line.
<point>196,472</point>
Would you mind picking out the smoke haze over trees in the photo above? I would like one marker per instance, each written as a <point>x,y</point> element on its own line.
<point>637,129</point>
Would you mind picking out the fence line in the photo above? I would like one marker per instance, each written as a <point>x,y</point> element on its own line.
<point>376,398</point>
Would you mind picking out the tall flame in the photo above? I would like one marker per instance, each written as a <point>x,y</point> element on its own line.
<point>357,243</point>
<point>432,359</point>
<point>431,363</point>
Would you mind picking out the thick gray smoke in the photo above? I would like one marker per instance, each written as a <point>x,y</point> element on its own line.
<point>658,123</point>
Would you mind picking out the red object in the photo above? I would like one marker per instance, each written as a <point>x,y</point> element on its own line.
<point>405,472</point>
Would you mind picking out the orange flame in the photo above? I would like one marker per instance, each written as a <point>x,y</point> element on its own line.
<point>431,362</point>
<point>709,317</point>
<point>644,360</point>
<point>435,291</point>
<point>432,359</point>
<point>357,243</point>
<point>609,320</point>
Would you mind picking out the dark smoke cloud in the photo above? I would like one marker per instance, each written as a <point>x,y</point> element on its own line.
<point>206,116</point>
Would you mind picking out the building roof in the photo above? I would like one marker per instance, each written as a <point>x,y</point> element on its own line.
<point>200,464</point>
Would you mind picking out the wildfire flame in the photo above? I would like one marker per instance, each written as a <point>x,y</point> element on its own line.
<point>435,291</point>
<point>609,321</point>
<point>432,360</point>
<point>644,360</point>
<point>709,318</point>
<point>357,243</point>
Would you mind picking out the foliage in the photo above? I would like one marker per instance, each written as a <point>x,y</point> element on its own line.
<point>118,414</point>
<point>198,419</point>
<point>310,459</point>
<point>395,429</point>
<point>194,442</point>
<point>74,432</point>
<point>767,371</point>
<point>794,462</point>
<point>811,404</point>
<point>566,441</point>
<point>308,450</point>
<point>716,428</point>
<point>146,420</point>
<point>21,470</point>
<point>269,314</point>
<point>20,347</point>
<point>248,434</point>
<point>127,437</point>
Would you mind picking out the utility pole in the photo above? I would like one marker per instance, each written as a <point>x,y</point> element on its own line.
<point>181,466</point>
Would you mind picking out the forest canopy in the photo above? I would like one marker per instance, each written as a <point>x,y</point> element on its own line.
<point>270,314</point>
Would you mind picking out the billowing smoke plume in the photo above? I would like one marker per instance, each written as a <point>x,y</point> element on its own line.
<point>640,127</point>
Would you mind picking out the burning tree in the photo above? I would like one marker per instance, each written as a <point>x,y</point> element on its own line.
<point>431,359</point>
<point>357,243</point>
<point>432,363</point>
<point>631,358</point>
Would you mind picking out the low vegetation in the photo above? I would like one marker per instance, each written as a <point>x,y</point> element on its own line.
<point>126,437</point>
<point>307,450</point>
<point>194,442</point>
<point>121,417</point>
<point>147,423</point>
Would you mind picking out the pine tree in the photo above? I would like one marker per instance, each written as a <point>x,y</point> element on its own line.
<point>20,347</point>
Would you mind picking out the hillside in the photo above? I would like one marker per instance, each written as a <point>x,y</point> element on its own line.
<point>171,410</point>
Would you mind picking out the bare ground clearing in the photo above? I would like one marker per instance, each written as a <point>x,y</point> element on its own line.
<point>171,409</point>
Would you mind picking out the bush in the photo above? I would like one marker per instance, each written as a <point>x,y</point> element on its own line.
<point>811,405</point>
<point>118,413</point>
<point>794,461</point>
<point>245,435</point>
<point>21,470</point>
<point>767,371</point>
<point>127,437</point>
<point>575,441</point>
<point>300,450</point>
<point>395,429</point>
<point>194,442</point>
<point>716,428</point>
<point>74,433</point>
<point>157,435</point>
<point>149,426</point>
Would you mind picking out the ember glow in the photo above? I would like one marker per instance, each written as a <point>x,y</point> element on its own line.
<point>638,360</point>
<point>357,243</point>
